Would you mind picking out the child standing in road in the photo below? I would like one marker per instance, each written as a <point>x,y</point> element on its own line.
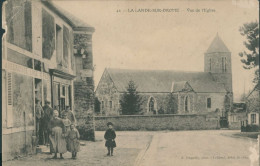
<point>73,141</point>
<point>110,136</point>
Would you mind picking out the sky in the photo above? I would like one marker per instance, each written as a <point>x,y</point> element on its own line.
<point>126,38</point>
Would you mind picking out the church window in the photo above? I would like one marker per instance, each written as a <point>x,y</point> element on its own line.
<point>187,104</point>
<point>209,64</point>
<point>102,105</point>
<point>151,105</point>
<point>224,69</point>
<point>208,102</point>
<point>110,104</point>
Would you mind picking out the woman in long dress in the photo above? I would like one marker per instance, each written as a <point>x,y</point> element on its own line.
<point>57,136</point>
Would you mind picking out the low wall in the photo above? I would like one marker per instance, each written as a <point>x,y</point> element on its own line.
<point>157,122</point>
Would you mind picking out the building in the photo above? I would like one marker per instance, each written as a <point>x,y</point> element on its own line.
<point>194,92</point>
<point>237,115</point>
<point>253,106</point>
<point>46,54</point>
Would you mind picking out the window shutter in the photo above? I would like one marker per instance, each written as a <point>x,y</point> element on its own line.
<point>9,88</point>
<point>10,100</point>
<point>70,102</point>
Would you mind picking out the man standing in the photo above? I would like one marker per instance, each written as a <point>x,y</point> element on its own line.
<point>39,114</point>
<point>48,114</point>
<point>70,115</point>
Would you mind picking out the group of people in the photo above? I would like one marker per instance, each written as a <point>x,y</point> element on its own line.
<point>58,132</point>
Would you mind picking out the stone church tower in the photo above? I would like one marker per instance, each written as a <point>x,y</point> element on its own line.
<point>217,61</point>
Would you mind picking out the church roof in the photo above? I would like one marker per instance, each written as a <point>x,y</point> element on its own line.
<point>179,86</point>
<point>217,45</point>
<point>160,81</point>
<point>73,21</point>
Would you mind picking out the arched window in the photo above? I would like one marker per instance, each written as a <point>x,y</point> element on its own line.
<point>187,104</point>
<point>152,105</point>
<point>224,67</point>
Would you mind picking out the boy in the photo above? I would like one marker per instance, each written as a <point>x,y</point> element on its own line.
<point>110,136</point>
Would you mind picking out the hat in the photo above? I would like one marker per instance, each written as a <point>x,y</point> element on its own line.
<point>109,123</point>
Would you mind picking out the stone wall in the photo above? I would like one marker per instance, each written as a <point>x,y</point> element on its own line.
<point>158,122</point>
<point>106,93</point>
<point>18,144</point>
<point>198,101</point>
<point>213,64</point>
<point>217,102</point>
<point>216,62</point>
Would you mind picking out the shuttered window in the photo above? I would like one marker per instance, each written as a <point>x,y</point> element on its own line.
<point>9,100</point>
<point>9,89</point>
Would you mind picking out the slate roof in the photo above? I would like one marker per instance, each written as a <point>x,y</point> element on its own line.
<point>217,45</point>
<point>160,81</point>
<point>73,21</point>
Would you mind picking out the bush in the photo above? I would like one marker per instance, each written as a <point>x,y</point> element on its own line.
<point>250,128</point>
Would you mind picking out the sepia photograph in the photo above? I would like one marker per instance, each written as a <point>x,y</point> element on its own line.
<point>130,83</point>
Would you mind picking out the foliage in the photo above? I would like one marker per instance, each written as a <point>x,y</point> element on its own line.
<point>251,58</point>
<point>250,128</point>
<point>251,32</point>
<point>131,101</point>
<point>171,104</point>
<point>227,103</point>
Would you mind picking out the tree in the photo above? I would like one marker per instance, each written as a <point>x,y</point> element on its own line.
<point>251,57</point>
<point>131,101</point>
<point>227,103</point>
<point>171,104</point>
<point>251,31</point>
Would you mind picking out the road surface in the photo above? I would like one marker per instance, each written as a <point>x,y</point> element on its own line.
<point>163,148</point>
<point>202,148</point>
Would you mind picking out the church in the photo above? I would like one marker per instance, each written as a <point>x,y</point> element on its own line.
<point>193,92</point>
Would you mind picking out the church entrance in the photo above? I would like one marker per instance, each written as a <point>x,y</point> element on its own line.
<point>223,121</point>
